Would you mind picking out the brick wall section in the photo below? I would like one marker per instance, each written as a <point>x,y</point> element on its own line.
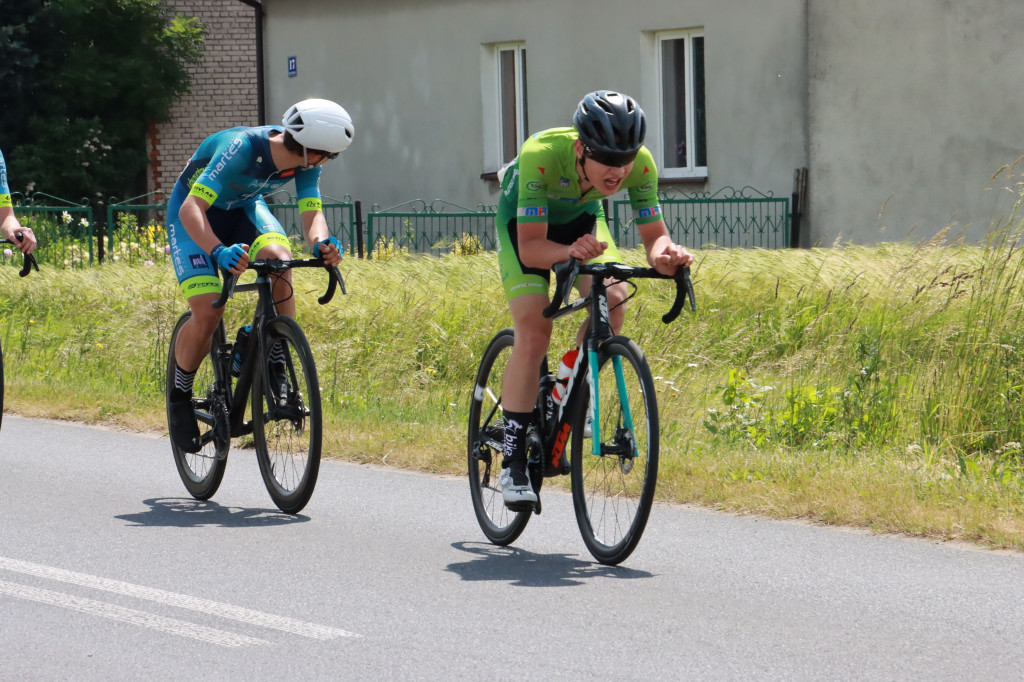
<point>223,90</point>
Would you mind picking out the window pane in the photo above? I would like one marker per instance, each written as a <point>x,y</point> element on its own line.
<point>673,88</point>
<point>507,93</point>
<point>699,116</point>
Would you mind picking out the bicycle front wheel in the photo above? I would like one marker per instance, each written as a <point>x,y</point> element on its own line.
<point>486,444</point>
<point>202,471</point>
<point>286,417</point>
<point>613,483</point>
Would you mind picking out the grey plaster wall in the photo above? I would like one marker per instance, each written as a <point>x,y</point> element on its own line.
<point>410,74</point>
<point>914,106</point>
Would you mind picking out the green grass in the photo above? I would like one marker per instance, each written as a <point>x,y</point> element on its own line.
<point>878,386</point>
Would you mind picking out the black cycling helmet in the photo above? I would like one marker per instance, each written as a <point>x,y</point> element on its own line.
<point>611,125</point>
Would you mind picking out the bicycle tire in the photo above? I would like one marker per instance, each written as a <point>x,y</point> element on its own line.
<point>613,491</point>
<point>1,387</point>
<point>288,436</point>
<point>202,472</point>
<point>486,434</point>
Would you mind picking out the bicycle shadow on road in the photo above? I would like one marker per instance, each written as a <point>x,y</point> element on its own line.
<point>181,512</point>
<point>528,569</point>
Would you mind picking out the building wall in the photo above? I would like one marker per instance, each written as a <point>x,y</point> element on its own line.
<point>914,106</point>
<point>223,92</point>
<point>409,72</point>
<point>901,111</point>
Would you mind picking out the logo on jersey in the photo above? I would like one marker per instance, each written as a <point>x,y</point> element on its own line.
<point>534,211</point>
<point>563,182</point>
<point>511,182</point>
<point>647,187</point>
<point>232,149</point>
<point>198,261</point>
<point>649,212</point>
<point>534,186</point>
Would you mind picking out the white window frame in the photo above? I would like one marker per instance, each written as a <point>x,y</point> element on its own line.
<point>494,90</point>
<point>691,170</point>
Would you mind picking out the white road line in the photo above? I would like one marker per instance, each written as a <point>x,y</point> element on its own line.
<point>114,612</point>
<point>182,601</point>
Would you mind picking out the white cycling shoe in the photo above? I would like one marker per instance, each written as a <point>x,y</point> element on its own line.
<point>516,490</point>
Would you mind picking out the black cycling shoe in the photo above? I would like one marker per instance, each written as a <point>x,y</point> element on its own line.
<point>183,426</point>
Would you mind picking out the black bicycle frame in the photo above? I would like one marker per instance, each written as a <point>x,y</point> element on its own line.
<point>555,437</point>
<point>266,311</point>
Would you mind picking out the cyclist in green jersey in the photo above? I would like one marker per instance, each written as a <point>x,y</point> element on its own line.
<point>550,210</point>
<point>10,228</point>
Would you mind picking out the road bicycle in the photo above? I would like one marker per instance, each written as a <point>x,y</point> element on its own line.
<point>604,434</point>
<point>286,419</point>
<point>29,262</point>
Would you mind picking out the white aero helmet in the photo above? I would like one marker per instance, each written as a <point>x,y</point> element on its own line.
<point>320,124</point>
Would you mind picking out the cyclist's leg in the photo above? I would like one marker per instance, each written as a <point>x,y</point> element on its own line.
<point>272,242</point>
<point>197,277</point>
<point>526,292</point>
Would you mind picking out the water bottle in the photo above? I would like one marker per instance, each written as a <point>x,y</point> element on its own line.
<point>562,378</point>
<point>238,350</point>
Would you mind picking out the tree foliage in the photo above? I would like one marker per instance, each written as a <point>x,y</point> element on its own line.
<point>80,81</point>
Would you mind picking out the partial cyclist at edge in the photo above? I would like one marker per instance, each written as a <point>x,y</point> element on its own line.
<point>550,210</point>
<point>217,217</point>
<point>10,228</point>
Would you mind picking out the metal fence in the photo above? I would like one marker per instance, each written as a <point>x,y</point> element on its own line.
<point>728,218</point>
<point>64,229</point>
<point>136,232</point>
<point>339,213</point>
<point>137,228</point>
<point>416,226</point>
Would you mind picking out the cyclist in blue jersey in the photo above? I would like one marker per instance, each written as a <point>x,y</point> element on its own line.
<point>10,228</point>
<point>550,210</point>
<point>217,218</point>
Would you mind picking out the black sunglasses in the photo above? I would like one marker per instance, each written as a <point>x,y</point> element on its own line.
<point>613,159</point>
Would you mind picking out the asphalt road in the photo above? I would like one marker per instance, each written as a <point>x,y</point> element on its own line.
<point>109,570</point>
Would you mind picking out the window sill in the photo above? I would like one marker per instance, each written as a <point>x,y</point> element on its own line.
<point>688,180</point>
<point>492,176</point>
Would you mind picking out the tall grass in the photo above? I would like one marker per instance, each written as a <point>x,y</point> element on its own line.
<point>877,386</point>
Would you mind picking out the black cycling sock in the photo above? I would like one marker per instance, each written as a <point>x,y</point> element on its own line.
<point>182,382</point>
<point>516,425</point>
<point>278,353</point>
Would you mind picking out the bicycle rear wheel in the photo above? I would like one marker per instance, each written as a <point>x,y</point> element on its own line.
<point>287,422</point>
<point>613,489</point>
<point>202,472</point>
<point>486,445</point>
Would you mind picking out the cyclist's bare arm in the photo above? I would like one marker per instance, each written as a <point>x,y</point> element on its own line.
<point>537,251</point>
<point>10,227</point>
<point>314,226</point>
<point>662,253</point>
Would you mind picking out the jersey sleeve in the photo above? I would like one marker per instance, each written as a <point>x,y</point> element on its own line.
<point>307,187</point>
<point>532,206</point>
<point>228,159</point>
<point>5,190</point>
<point>643,189</point>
